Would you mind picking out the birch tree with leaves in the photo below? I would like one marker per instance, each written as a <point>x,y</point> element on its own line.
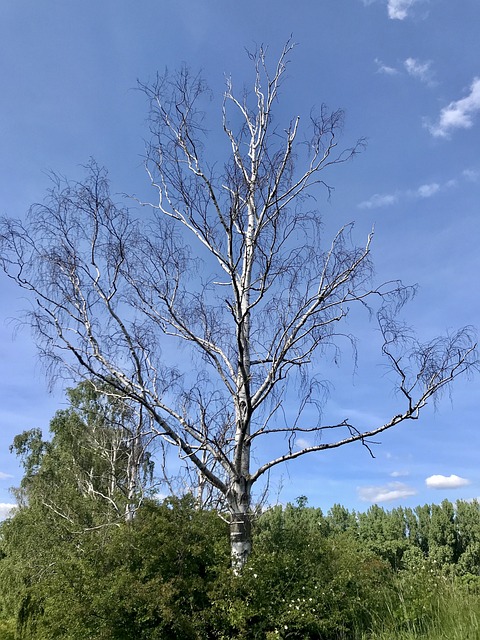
<point>96,466</point>
<point>214,308</point>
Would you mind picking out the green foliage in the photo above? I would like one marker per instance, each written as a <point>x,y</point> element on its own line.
<point>448,612</point>
<point>95,468</point>
<point>384,533</point>
<point>166,575</point>
<point>146,579</point>
<point>300,583</point>
<point>339,518</point>
<point>73,567</point>
<point>7,629</point>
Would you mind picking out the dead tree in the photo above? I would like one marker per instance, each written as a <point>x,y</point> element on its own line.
<point>210,309</point>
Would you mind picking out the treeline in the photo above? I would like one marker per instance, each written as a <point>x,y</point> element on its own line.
<point>447,535</point>
<point>91,554</point>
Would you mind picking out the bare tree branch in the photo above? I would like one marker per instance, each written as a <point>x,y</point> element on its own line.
<point>207,312</point>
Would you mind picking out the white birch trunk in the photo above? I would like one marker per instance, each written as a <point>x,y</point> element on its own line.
<point>240,524</point>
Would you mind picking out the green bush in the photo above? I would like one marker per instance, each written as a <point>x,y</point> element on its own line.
<point>299,583</point>
<point>166,576</point>
<point>147,580</point>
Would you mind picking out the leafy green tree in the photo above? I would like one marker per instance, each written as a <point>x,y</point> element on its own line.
<point>423,516</point>
<point>339,518</point>
<point>78,482</point>
<point>97,461</point>
<point>384,533</point>
<point>443,540</point>
<point>467,520</point>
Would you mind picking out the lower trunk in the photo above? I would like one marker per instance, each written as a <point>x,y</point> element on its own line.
<point>240,524</point>
<point>240,540</point>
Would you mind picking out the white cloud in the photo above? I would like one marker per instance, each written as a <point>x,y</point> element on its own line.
<point>388,199</point>
<point>4,475</point>
<point>5,509</point>
<point>427,190</point>
<point>391,491</point>
<point>378,200</point>
<point>420,70</point>
<point>415,68</point>
<point>458,114</point>
<point>472,175</point>
<point>398,9</point>
<point>302,443</point>
<point>360,417</point>
<point>399,474</point>
<point>446,482</point>
<point>383,68</point>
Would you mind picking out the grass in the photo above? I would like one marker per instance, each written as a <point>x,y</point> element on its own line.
<point>451,614</point>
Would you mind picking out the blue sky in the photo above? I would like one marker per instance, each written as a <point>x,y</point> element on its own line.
<point>407,74</point>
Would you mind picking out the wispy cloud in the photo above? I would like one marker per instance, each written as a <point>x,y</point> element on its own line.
<point>379,200</point>
<point>426,190</point>
<point>365,418</point>
<point>384,68</point>
<point>420,70</point>
<point>386,493</point>
<point>472,175</point>
<point>458,114</point>
<point>388,199</point>
<point>3,475</point>
<point>397,9</point>
<point>411,66</point>
<point>399,474</point>
<point>6,509</point>
<point>446,482</point>
<point>400,9</point>
<point>302,443</point>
